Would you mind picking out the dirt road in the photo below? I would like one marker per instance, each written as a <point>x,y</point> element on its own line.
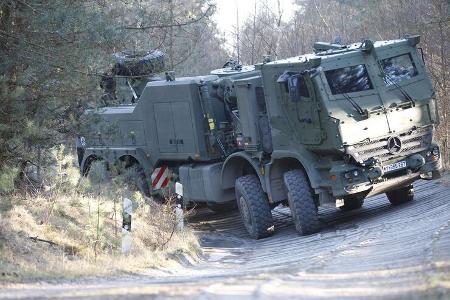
<point>379,251</point>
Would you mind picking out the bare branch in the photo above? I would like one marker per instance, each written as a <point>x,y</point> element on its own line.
<point>176,24</point>
<point>36,239</point>
<point>29,6</point>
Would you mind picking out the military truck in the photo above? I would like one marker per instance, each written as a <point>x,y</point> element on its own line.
<point>329,128</point>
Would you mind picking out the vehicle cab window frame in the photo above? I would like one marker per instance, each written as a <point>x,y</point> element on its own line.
<point>388,53</point>
<point>350,59</point>
<point>347,75</point>
<point>394,71</point>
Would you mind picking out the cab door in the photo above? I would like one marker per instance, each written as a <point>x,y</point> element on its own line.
<point>303,109</point>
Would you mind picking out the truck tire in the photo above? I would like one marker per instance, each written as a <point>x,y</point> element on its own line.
<point>253,207</point>
<point>352,203</point>
<point>138,63</point>
<point>401,195</point>
<point>301,202</point>
<point>223,207</point>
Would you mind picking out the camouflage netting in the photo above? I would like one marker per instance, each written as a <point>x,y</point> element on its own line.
<point>138,63</point>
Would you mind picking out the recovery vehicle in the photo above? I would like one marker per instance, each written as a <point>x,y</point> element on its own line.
<point>329,128</point>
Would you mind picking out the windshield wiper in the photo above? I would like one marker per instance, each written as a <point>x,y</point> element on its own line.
<point>404,93</point>
<point>358,108</point>
<point>355,105</point>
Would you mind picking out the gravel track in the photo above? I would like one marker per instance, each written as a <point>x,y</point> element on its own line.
<point>378,251</point>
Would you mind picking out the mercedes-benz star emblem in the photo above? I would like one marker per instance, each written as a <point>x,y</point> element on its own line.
<point>394,144</point>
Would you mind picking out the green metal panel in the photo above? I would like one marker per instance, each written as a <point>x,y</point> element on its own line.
<point>164,127</point>
<point>184,129</point>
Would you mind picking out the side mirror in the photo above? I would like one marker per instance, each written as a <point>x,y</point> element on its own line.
<point>296,85</point>
<point>298,88</point>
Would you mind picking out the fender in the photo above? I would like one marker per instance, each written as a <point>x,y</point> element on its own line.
<point>88,158</point>
<point>283,161</point>
<point>145,160</point>
<point>139,154</point>
<point>234,167</point>
<point>305,158</point>
<point>112,155</point>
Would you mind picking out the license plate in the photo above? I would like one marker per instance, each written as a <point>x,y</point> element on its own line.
<point>395,166</point>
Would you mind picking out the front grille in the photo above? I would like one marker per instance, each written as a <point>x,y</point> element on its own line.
<point>412,141</point>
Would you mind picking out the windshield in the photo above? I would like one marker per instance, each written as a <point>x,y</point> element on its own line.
<point>348,80</point>
<point>398,68</point>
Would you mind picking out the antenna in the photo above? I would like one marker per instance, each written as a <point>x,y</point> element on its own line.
<point>237,31</point>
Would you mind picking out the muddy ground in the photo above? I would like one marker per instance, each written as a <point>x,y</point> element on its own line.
<point>379,251</point>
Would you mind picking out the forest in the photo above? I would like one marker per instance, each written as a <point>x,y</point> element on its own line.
<point>54,52</point>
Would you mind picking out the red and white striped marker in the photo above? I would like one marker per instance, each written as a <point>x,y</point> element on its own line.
<point>160,178</point>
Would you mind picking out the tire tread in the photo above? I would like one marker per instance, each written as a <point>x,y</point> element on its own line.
<point>259,209</point>
<point>301,202</point>
<point>401,195</point>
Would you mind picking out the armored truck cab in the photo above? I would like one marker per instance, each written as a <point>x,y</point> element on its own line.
<point>361,117</point>
<point>328,128</point>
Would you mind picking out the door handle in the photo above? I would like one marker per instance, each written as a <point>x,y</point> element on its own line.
<point>176,142</point>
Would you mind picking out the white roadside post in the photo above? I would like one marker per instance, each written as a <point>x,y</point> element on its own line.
<point>178,209</point>
<point>126,225</point>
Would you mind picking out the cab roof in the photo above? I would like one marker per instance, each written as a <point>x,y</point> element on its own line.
<point>336,51</point>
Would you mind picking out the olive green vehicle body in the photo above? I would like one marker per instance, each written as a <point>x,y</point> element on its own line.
<point>383,142</point>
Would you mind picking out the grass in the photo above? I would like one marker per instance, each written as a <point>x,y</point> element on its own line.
<point>73,229</point>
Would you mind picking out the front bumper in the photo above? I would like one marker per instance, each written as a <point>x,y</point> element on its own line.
<point>373,180</point>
